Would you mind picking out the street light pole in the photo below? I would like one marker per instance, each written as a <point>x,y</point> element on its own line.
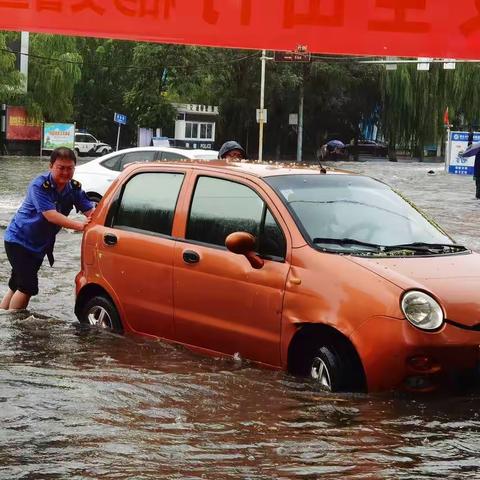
<point>300,122</point>
<point>24,48</point>
<point>262,104</point>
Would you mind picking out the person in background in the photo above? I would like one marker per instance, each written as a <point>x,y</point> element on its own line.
<point>31,234</point>
<point>476,175</point>
<point>232,150</point>
<point>470,136</point>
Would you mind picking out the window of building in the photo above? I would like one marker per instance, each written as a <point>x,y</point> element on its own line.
<point>148,202</point>
<point>199,130</point>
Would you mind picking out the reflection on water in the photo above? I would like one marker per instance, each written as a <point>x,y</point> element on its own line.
<point>79,403</point>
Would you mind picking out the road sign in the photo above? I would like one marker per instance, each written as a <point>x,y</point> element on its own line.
<point>261,115</point>
<point>292,57</point>
<point>120,118</point>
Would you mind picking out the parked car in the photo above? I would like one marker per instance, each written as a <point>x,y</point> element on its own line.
<point>330,275</point>
<point>368,147</point>
<point>87,144</point>
<point>97,174</point>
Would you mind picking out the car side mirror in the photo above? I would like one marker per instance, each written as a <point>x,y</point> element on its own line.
<point>243,243</point>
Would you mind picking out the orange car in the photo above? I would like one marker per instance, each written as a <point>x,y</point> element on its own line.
<point>331,275</point>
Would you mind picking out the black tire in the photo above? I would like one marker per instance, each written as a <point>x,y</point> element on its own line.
<point>331,369</point>
<point>94,197</point>
<point>100,311</point>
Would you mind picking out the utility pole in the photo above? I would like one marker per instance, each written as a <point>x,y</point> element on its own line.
<point>262,105</point>
<point>24,47</point>
<point>300,121</point>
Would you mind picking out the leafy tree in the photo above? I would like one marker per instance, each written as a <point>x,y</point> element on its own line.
<point>11,82</point>
<point>54,69</point>
<point>106,76</point>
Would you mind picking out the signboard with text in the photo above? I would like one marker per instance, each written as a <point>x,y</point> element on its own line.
<point>58,135</point>
<point>458,144</point>
<point>416,28</point>
<point>20,126</point>
<point>120,118</point>
<point>292,57</point>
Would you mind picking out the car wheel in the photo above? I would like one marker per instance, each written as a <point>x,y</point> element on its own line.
<point>100,312</point>
<point>331,371</point>
<point>94,197</point>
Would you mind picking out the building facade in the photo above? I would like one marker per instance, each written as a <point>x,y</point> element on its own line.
<point>195,125</point>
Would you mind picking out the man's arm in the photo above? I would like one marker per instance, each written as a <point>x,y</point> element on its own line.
<point>62,221</point>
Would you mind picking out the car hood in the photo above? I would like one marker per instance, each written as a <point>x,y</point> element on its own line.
<point>453,279</point>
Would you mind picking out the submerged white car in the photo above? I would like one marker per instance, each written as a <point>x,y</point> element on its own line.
<point>97,175</point>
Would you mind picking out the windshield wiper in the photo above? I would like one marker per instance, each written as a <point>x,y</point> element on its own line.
<point>426,247</point>
<point>346,241</point>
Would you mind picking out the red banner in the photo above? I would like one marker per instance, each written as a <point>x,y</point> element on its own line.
<point>418,28</point>
<point>20,127</point>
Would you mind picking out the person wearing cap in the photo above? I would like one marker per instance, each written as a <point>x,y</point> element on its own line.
<point>30,236</point>
<point>232,150</point>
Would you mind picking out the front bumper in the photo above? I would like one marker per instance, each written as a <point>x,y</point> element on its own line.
<point>397,356</point>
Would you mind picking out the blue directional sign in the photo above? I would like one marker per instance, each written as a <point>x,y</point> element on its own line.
<point>120,118</point>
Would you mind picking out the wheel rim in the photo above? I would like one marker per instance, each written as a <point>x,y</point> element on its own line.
<point>320,374</point>
<point>99,317</point>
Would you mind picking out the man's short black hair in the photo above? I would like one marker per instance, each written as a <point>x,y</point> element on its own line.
<point>64,153</point>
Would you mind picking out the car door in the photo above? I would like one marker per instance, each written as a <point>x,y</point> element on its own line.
<point>80,143</point>
<point>136,253</point>
<point>220,302</point>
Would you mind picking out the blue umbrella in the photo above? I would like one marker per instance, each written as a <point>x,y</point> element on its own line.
<point>472,150</point>
<point>336,144</point>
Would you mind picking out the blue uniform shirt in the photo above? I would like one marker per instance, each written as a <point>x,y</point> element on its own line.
<point>29,228</point>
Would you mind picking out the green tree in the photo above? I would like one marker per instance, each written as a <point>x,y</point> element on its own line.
<point>11,81</point>
<point>106,76</point>
<point>54,69</point>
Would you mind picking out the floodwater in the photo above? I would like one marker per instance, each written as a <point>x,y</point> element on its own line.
<point>78,403</point>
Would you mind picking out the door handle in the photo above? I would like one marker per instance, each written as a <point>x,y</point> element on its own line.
<point>110,239</point>
<point>189,256</point>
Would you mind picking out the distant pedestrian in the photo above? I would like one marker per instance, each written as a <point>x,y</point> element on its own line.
<point>31,233</point>
<point>232,150</point>
<point>476,174</point>
<point>470,136</point>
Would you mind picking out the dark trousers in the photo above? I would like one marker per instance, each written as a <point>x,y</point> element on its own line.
<point>477,184</point>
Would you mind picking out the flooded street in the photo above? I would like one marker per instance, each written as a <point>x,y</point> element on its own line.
<point>78,403</point>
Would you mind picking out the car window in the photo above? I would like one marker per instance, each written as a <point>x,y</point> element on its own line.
<point>172,156</point>
<point>140,156</point>
<point>80,138</point>
<point>272,242</point>
<point>220,207</point>
<point>113,163</point>
<point>148,202</point>
<point>90,139</point>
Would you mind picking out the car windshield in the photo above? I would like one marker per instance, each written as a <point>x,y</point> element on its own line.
<point>348,213</point>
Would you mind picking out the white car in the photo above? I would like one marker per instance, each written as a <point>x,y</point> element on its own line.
<point>87,144</point>
<point>97,174</point>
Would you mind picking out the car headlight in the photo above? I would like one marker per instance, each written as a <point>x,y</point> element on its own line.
<point>422,311</point>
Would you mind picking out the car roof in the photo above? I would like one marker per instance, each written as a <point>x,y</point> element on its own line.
<point>166,149</point>
<point>181,151</point>
<point>255,168</point>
